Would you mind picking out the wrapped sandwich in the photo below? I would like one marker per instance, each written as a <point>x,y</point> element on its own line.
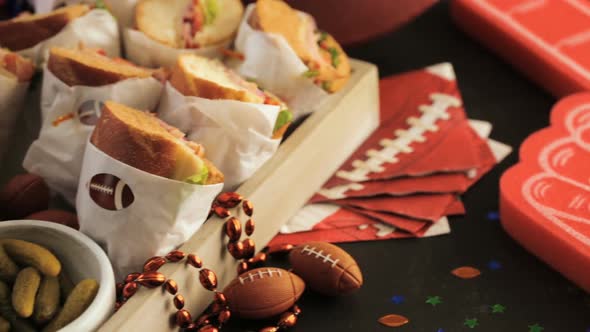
<point>75,84</point>
<point>15,74</point>
<point>167,28</point>
<point>239,124</point>
<point>285,52</point>
<point>141,176</point>
<point>70,26</point>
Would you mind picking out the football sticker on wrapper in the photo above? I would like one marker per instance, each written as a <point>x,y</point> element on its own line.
<point>110,192</point>
<point>89,112</point>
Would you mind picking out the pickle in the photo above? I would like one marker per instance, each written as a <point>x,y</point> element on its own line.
<point>80,298</point>
<point>6,311</point>
<point>47,300</point>
<point>31,254</point>
<point>24,291</point>
<point>8,268</point>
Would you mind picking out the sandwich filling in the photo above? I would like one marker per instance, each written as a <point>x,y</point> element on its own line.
<point>15,66</point>
<point>199,13</point>
<point>202,174</point>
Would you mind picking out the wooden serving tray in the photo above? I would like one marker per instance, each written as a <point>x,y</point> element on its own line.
<point>278,190</point>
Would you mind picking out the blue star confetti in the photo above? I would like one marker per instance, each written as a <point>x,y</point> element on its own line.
<point>398,299</point>
<point>494,265</point>
<point>493,216</point>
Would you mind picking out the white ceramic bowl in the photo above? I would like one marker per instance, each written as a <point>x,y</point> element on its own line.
<point>81,258</point>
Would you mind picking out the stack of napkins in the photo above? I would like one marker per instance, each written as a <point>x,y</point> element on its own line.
<point>407,177</point>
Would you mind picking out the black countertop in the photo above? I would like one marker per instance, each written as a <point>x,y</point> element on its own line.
<point>414,269</point>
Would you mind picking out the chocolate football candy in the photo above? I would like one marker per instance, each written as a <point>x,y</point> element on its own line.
<point>110,192</point>
<point>326,268</point>
<point>57,216</point>
<point>263,293</point>
<point>22,195</point>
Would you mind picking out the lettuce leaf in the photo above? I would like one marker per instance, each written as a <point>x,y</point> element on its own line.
<point>285,116</point>
<point>200,177</point>
<point>210,9</point>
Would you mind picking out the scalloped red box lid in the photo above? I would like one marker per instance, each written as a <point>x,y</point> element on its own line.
<point>545,198</point>
<point>549,40</point>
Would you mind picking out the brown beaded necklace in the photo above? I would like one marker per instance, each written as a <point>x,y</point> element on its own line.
<point>218,312</point>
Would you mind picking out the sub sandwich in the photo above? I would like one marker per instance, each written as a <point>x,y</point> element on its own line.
<point>14,66</point>
<point>193,75</point>
<point>26,31</point>
<point>328,65</point>
<point>90,67</point>
<point>189,23</point>
<point>141,140</point>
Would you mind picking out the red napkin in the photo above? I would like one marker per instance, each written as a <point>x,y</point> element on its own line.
<point>405,178</point>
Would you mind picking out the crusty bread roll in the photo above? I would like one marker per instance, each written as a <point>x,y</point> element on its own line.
<point>189,23</point>
<point>328,64</point>
<point>141,140</point>
<point>194,75</point>
<point>26,31</point>
<point>14,66</point>
<point>88,67</point>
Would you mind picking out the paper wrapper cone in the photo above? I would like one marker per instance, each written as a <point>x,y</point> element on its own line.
<point>96,29</point>
<point>148,215</point>
<point>236,135</point>
<point>147,52</point>
<point>271,62</point>
<point>12,95</point>
<point>57,154</point>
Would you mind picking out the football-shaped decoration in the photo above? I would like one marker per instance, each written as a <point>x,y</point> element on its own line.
<point>57,216</point>
<point>89,112</point>
<point>263,293</point>
<point>110,192</point>
<point>326,268</point>
<point>22,195</point>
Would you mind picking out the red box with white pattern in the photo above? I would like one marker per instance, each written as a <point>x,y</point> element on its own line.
<point>549,40</point>
<point>545,198</point>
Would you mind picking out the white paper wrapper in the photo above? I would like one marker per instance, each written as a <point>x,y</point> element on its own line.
<point>271,62</point>
<point>12,95</point>
<point>147,52</point>
<point>123,10</point>
<point>57,154</point>
<point>97,29</point>
<point>236,135</point>
<point>163,214</point>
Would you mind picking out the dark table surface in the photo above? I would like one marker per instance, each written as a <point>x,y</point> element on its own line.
<point>530,290</point>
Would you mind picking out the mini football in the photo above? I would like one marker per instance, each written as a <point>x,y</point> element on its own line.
<point>263,293</point>
<point>326,268</point>
<point>22,195</point>
<point>110,192</point>
<point>57,216</point>
<point>89,112</point>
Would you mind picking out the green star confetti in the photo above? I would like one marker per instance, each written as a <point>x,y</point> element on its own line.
<point>536,328</point>
<point>434,300</point>
<point>498,309</point>
<point>471,322</point>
